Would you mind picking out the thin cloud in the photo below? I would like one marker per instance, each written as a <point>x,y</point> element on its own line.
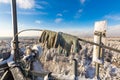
<point>59,15</point>
<point>32,13</point>
<point>5,1</point>
<point>43,2</point>
<point>78,13</point>
<point>82,1</point>
<point>65,11</point>
<point>39,6</point>
<point>38,22</point>
<point>24,4</point>
<point>26,13</point>
<point>58,20</point>
<point>112,17</point>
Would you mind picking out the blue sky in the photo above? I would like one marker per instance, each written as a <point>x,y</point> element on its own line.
<point>60,15</point>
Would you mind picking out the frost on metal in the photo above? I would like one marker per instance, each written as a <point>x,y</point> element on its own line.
<point>100,26</point>
<point>64,42</point>
<point>17,74</point>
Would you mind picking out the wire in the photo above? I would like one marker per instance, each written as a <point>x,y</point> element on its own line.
<point>26,30</point>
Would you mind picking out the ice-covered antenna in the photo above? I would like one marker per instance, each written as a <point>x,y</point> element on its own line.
<point>15,29</point>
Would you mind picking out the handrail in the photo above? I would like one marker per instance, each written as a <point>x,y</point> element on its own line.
<point>103,46</point>
<point>26,30</point>
<point>83,40</point>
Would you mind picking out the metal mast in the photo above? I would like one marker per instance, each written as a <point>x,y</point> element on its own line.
<point>15,29</point>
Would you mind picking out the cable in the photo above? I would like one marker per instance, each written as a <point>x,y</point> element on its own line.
<point>26,30</point>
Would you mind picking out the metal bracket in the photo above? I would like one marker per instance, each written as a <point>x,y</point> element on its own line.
<point>100,33</point>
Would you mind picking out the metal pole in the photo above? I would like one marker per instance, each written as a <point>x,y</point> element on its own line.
<point>15,30</point>
<point>75,68</point>
<point>98,56</point>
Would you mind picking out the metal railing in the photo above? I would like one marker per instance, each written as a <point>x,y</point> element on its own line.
<point>75,62</point>
<point>80,39</point>
<point>102,46</point>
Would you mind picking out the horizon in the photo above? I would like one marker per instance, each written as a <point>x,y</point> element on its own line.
<point>75,17</point>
